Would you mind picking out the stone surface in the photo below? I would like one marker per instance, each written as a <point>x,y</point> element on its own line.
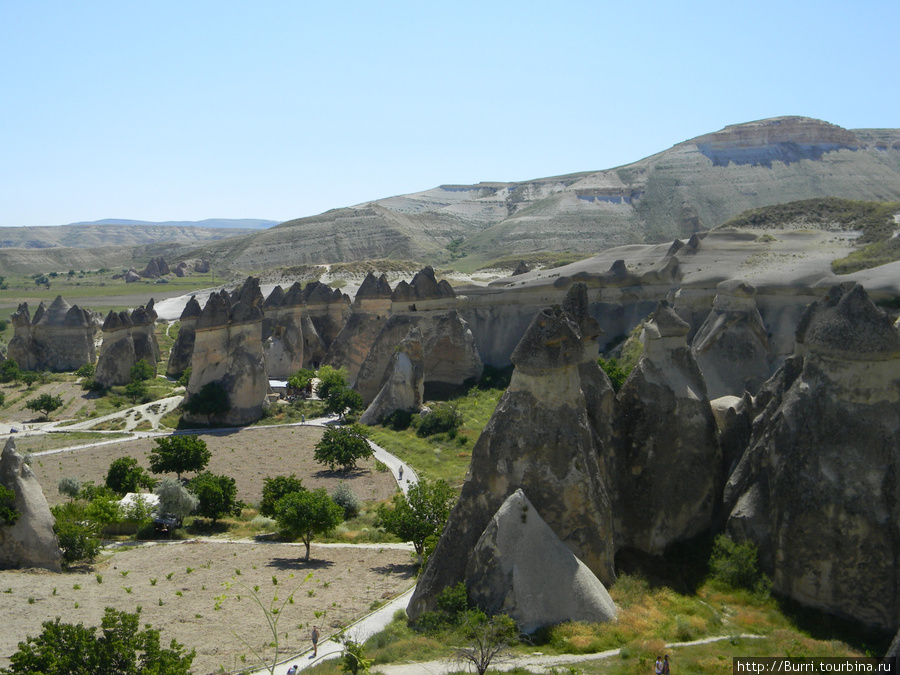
<point>520,568</point>
<point>182,350</point>
<point>668,464</point>
<point>732,347</point>
<point>403,387</point>
<point>539,439</point>
<point>30,542</point>
<point>451,356</point>
<point>59,337</point>
<point>817,487</point>
<point>127,339</point>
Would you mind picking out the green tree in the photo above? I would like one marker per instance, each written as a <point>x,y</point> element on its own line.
<point>29,377</point>
<point>330,378</point>
<point>87,370</point>
<point>136,390</point>
<point>306,514</point>
<point>125,475</point>
<point>617,375</point>
<point>8,513</point>
<point>45,403</point>
<point>79,538</point>
<point>343,447</point>
<point>10,371</point>
<point>489,640</point>
<point>419,514</point>
<point>212,399</point>
<point>301,379</point>
<point>2,398</point>
<point>276,488</point>
<point>179,454</point>
<point>142,371</point>
<point>217,496</point>
<point>343,401</point>
<point>120,648</point>
<point>174,499</point>
<point>69,486</point>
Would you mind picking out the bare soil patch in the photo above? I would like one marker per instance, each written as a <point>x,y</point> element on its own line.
<point>73,396</point>
<point>346,583</point>
<point>247,455</point>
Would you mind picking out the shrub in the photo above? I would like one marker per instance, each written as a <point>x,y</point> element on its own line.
<point>174,499</point>
<point>10,371</point>
<point>217,496</point>
<point>399,420</point>
<point>78,538</point>
<point>8,513</point>
<point>306,514</point>
<point>343,446</point>
<point>87,370</point>
<point>179,454</point>
<point>276,488</point>
<point>443,419</point>
<point>184,378</point>
<point>617,375</point>
<point>734,565</point>
<point>344,497</point>
<point>142,371</point>
<point>212,399</point>
<point>125,475</point>
<point>69,486</point>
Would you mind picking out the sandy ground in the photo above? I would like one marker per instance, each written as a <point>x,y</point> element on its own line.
<point>346,583</point>
<point>247,455</point>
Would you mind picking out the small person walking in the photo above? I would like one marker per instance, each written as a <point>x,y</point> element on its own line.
<point>314,634</point>
<point>658,670</point>
<point>293,670</point>
<point>400,473</point>
<point>666,665</point>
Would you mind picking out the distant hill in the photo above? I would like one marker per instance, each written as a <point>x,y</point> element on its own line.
<point>227,223</point>
<point>695,185</point>
<point>128,233</point>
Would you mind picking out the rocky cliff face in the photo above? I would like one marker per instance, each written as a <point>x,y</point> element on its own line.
<point>59,337</point>
<point>816,489</point>
<point>403,386</point>
<point>731,347</point>
<point>228,350</point>
<point>127,339</point>
<point>182,350</point>
<point>30,542</point>
<point>668,466</point>
<point>540,440</point>
<point>371,308</point>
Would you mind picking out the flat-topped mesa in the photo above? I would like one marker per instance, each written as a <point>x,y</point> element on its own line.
<point>539,439</point>
<point>732,346</point>
<point>816,489</point>
<point>424,292</point>
<point>127,339</point>
<point>180,355</point>
<point>666,439</point>
<point>228,350</point>
<point>781,139</point>
<point>58,338</point>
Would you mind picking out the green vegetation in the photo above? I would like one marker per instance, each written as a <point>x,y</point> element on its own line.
<point>8,513</point>
<point>308,513</point>
<point>276,488</point>
<point>874,219</point>
<point>125,475</point>
<point>343,447</point>
<point>440,456</point>
<point>179,454</point>
<point>120,647</point>
<point>443,419</point>
<point>217,496</point>
<point>45,403</point>
<point>420,514</point>
<point>212,399</point>
<point>174,498</point>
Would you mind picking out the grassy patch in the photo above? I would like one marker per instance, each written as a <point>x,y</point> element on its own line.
<point>43,442</point>
<point>440,456</point>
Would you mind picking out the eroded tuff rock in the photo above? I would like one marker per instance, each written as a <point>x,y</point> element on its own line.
<point>450,354</point>
<point>156,268</point>
<point>127,339</point>
<point>732,347</point>
<point>283,333</point>
<point>539,439</point>
<point>30,542</point>
<point>520,568</point>
<point>668,465</point>
<point>180,355</point>
<point>403,387</point>
<point>328,309</point>
<point>817,489</point>
<point>228,350</point>
<point>370,311</point>
<point>423,287</point>
<point>59,337</point>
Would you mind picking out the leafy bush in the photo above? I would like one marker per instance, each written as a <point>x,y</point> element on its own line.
<point>419,514</point>
<point>212,399</point>
<point>120,647</point>
<point>8,513</point>
<point>343,446</point>
<point>87,370</point>
<point>69,486</point>
<point>217,496</point>
<point>276,488</point>
<point>452,605</point>
<point>399,420</point>
<point>443,419</point>
<point>184,378</point>
<point>78,538</point>
<point>142,371</point>
<point>617,375</point>
<point>125,475</point>
<point>179,454</point>
<point>10,371</point>
<point>344,497</point>
<point>733,565</point>
<point>174,498</point>
<point>2,398</point>
<point>308,513</point>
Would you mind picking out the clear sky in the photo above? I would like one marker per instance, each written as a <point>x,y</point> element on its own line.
<point>189,110</point>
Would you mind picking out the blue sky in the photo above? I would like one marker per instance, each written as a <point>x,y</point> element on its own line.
<point>190,110</point>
